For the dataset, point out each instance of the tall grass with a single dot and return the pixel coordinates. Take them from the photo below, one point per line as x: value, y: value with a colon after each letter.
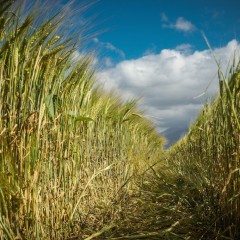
x: 69, y: 153
x: 207, y: 162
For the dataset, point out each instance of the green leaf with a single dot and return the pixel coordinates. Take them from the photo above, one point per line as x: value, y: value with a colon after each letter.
x: 80, y: 117
x: 50, y: 105
x: 83, y: 118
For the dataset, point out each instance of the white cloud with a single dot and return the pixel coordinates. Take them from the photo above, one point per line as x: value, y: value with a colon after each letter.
x: 108, y: 46
x: 181, y: 25
x: 184, y: 48
x: 77, y: 55
x: 114, y: 49
x: 164, y: 17
x: 95, y: 40
x: 184, y: 25
x: 110, y: 50
x: 168, y: 83
x: 108, y: 62
x: 151, y: 50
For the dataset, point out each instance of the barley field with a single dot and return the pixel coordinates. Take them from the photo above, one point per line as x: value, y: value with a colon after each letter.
x: 69, y: 153
x: 79, y: 163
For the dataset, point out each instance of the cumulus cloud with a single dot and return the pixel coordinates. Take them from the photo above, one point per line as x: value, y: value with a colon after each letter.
x: 173, y: 85
x: 181, y: 24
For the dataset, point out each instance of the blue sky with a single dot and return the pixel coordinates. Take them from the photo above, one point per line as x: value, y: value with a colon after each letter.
x: 155, y: 50
x: 135, y: 26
